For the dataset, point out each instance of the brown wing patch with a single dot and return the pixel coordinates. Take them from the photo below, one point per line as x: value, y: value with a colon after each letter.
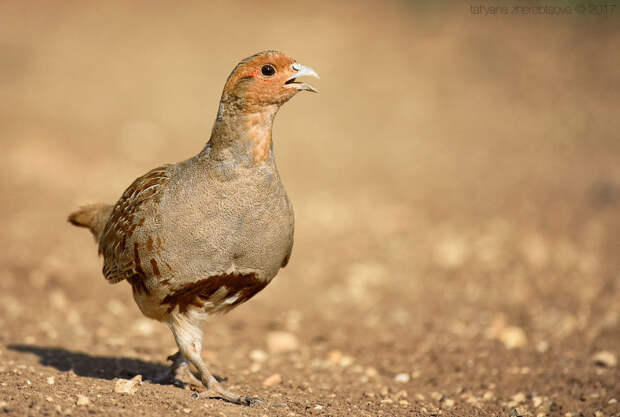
x: 137, y: 278
x: 245, y: 286
x: 120, y: 263
x: 286, y: 259
x: 155, y: 267
x: 138, y: 285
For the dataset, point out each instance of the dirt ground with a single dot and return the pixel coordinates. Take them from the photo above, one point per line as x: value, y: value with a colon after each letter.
x: 457, y: 192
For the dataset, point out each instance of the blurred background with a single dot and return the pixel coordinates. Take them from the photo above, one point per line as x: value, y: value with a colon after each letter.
x: 456, y: 186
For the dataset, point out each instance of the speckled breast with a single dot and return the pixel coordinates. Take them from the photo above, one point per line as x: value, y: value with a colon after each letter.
x: 218, y: 251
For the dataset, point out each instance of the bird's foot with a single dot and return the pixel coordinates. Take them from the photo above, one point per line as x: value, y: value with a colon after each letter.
x: 231, y: 397
x: 179, y: 374
x: 185, y: 376
x: 239, y: 399
x: 250, y: 401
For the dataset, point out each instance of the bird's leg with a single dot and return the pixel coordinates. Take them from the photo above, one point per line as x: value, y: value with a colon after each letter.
x: 188, y: 336
x: 179, y: 370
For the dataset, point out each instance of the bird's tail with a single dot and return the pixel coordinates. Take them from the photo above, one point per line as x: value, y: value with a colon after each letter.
x: 93, y: 217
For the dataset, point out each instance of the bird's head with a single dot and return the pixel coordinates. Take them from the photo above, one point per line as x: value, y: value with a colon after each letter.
x: 266, y: 79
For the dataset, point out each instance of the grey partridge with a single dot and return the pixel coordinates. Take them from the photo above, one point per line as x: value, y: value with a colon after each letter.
x: 206, y: 234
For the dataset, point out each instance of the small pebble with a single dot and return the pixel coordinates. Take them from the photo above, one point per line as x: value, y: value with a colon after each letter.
x: 542, y: 346
x: 346, y: 361
x: 519, y: 412
x: 272, y: 380
x: 518, y: 398
x: 473, y: 400
x: 401, y: 393
x: 82, y: 400
x: 127, y: 386
x: 402, y: 378
x: 318, y: 407
x: 280, y: 342
x: 57, y: 299
x: 258, y: 356
x: 612, y: 401
x: 334, y: 356
x: 605, y: 358
x: 437, y: 396
x: 187, y: 410
x: 50, y: 380
x: 513, y: 337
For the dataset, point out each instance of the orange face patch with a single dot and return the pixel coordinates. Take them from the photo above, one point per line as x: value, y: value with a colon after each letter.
x: 254, y: 82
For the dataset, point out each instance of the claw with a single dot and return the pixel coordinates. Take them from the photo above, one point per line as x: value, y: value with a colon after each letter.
x: 249, y: 401
x: 241, y: 400
x: 220, y: 378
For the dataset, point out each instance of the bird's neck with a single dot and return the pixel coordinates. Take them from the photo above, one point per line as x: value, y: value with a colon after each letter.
x: 241, y: 134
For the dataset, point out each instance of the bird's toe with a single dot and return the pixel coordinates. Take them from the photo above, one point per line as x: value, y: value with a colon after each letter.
x: 249, y: 401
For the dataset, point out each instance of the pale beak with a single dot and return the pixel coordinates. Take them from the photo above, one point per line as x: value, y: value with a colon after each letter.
x: 300, y: 71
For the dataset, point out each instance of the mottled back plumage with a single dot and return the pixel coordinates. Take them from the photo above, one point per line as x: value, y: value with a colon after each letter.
x: 128, y: 215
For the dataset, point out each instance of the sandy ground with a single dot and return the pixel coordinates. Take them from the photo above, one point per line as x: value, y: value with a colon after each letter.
x: 456, y: 186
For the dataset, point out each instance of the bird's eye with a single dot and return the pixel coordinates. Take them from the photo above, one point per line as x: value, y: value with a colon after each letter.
x: 268, y: 70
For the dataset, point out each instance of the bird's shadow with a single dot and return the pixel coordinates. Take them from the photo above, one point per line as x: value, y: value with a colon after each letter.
x: 92, y: 366
x: 104, y: 367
